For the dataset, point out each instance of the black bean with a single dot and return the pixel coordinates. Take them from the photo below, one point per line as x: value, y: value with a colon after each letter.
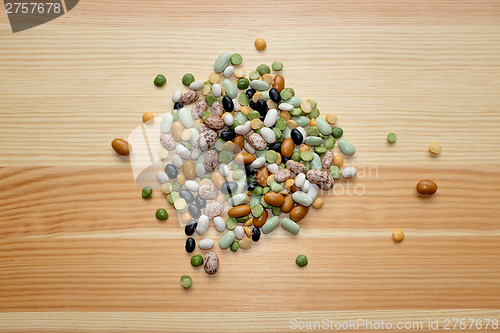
x: 250, y: 171
x: 229, y: 188
x: 227, y: 103
x: 200, y: 202
x: 186, y: 195
x: 255, y: 234
x: 228, y: 135
x: 274, y: 95
x: 252, y: 185
x: 262, y: 107
x: 250, y: 92
x: 178, y: 105
x: 296, y: 136
x: 190, y: 228
x: 194, y: 211
x: 252, y: 105
x: 275, y: 146
x: 190, y: 244
x: 284, y: 159
x: 171, y: 171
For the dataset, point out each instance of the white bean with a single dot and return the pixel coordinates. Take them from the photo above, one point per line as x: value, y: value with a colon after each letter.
x: 162, y: 177
x: 237, y: 105
x: 183, y: 152
x: 307, y: 186
x: 219, y: 224
x: 196, y: 85
x: 349, y: 172
x: 191, y: 185
x: 228, y: 71
x: 239, y: 232
x: 216, y: 90
x: 303, y: 132
x: 300, y: 179
x: 195, y: 153
x: 273, y: 167
x: 228, y: 119
x: 268, y: 134
x: 199, y: 169
x: 271, y: 117
x: 248, y: 148
x: 202, y: 226
x: 224, y: 170
x: 243, y: 129
x: 285, y: 107
x: 258, y: 162
x: 206, y: 244
x: 177, y: 161
x: 313, y: 191
x: 176, y: 96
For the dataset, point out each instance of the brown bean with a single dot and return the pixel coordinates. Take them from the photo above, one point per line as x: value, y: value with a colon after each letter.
x: 262, y: 175
x: 259, y: 221
x: 298, y: 213
x: 279, y: 82
x: 177, y: 129
x: 287, y: 205
x: 239, y: 211
x: 121, y: 146
x: 148, y: 117
x: 294, y: 188
x: 188, y: 169
x: 426, y: 187
x: 287, y: 147
x: 244, y: 158
x: 274, y: 199
x: 338, y: 160
x: 218, y: 179
x: 240, y: 142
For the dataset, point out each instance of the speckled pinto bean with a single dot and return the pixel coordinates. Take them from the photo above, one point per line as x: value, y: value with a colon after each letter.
x: 321, y: 178
x: 295, y: 167
x: 215, y: 122
x: 256, y: 141
x: 214, y: 209
x: 206, y: 140
x: 168, y: 142
x: 282, y: 175
x: 189, y: 97
x: 217, y: 109
x: 198, y: 108
x: 207, y: 192
x: 211, y: 160
x: 211, y: 263
x: 327, y: 159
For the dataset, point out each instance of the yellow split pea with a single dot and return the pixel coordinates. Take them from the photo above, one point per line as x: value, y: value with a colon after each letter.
x: 398, y: 235
x: 435, y: 148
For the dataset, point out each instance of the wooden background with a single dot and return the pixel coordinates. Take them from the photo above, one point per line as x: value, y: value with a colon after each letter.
x: 80, y: 250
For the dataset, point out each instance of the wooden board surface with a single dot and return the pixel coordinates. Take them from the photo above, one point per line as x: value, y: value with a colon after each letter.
x: 81, y: 251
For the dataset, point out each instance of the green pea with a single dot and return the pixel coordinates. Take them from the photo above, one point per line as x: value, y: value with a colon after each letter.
x: 277, y: 132
x: 243, y: 99
x: 254, y: 75
x: 219, y: 144
x: 313, y: 114
x: 176, y: 186
x: 243, y: 83
x: 275, y: 187
x: 235, y: 124
x: 391, y: 137
x: 160, y: 80
x: 281, y: 124
x: 320, y: 149
x: 147, y: 192
x: 265, y: 190
x: 237, y: 174
x: 205, y: 115
x: 231, y: 223
x: 187, y: 79
x: 210, y: 99
x: 257, y: 210
x: 235, y: 246
x: 335, y: 172
x: 312, y: 131
x: 253, y: 115
x: 337, y: 132
x: 281, y: 166
x: 257, y: 190
x: 264, y: 203
x: 236, y: 59
x: 196, y: 260
x: 175, y: 114
x: 313, y: 104
x: 277, y: 66
x: 187, y: 144
x: 301, y: 260
x: 242, y: 219
x: 170, y: 199
x: 307, y: 164
x: 287, y: 93
x: 161, y: 214
x: 329, y: 142
x: 271, y: 156
x: 276, y: 211
x: 263, y: 69
x: 186, y: 281
x: 296, y: 156
x: 296, y: 112
x: 225, y: 157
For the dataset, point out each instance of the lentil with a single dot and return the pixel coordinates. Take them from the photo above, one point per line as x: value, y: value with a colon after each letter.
x: 391, y: 137
x: 435, y: 148
x: 398, y: 235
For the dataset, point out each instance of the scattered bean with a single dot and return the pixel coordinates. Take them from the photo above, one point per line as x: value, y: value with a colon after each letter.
x: 426, y: 187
